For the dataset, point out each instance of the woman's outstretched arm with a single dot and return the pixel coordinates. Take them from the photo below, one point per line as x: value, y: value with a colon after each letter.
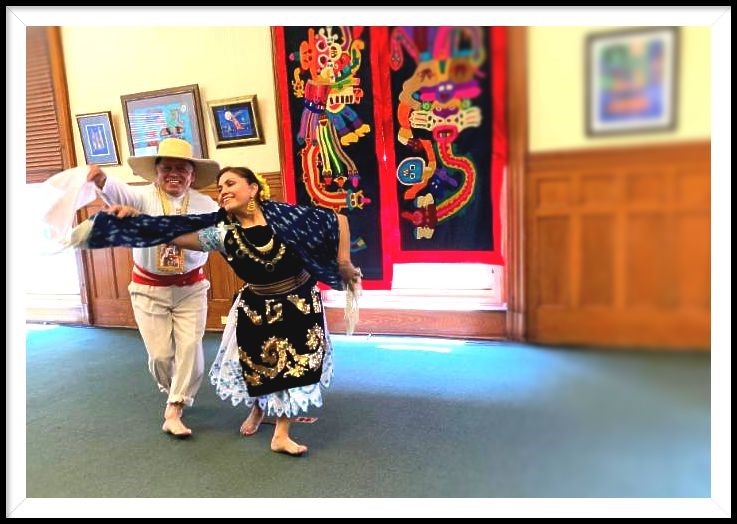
x: 348, y: 272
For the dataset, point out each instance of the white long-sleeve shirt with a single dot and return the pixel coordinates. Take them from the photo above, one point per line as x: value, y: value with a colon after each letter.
x: 146, y: 199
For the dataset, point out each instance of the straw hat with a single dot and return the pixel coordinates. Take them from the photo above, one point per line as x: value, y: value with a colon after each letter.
x: 206, y: 171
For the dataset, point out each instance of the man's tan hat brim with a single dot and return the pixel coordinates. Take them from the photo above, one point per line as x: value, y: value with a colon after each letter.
x: 205, y: 171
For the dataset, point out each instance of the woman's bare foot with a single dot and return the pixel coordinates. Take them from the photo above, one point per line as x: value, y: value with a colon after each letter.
x: 173, y: 421
x: 251, y: 424
x: 288, y: 446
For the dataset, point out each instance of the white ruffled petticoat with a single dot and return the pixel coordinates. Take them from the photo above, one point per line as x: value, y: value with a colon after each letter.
x: 226, y: 376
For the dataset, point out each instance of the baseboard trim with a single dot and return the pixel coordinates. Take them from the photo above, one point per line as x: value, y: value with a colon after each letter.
x: 61, y: 309
x: 482, y: 325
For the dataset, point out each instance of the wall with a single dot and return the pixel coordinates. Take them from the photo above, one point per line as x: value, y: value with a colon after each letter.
x: 556, y: 90
x: 236, y: 61
x: 103, y: 63
x: 617, y: 229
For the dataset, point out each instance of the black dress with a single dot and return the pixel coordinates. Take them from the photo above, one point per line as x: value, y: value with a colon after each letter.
x: 280, y: 328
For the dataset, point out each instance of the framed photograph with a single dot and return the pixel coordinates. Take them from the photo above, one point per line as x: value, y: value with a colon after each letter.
x: 235, y: 121
x: 98, y: 139
x: 153, y: 116
x: 631, y: 81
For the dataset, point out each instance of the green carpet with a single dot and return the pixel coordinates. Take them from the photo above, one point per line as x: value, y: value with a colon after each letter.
x: 403, y: 418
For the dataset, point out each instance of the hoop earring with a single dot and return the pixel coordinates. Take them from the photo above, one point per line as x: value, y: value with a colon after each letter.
x: 251, y: 206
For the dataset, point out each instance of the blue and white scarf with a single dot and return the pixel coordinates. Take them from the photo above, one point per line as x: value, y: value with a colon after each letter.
x: 311, y: 232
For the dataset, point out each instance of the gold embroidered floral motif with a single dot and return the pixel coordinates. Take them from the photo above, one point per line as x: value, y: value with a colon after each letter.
x: 273, y: 311
x: 252, y: 379
x: 316, y: 343
x: 276, y: 353
x: 273, y: 352
x: 299, y: 368
x: 316, y: 307
x: 252, y: 315
x: 300, y: 303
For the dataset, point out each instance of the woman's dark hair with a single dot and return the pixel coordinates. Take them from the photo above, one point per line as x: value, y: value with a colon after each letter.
x: 244, y: 173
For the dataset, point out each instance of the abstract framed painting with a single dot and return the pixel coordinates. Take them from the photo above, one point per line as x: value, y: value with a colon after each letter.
x: 631, y: 81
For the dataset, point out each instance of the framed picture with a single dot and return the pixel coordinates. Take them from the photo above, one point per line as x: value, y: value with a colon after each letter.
x: 153, y: 116
x: 631, y: 81
x: 98, y: 139
x: 235, y: 121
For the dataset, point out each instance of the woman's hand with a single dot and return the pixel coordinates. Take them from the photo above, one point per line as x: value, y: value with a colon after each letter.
x: 121, y: 211
x: 348, y: 272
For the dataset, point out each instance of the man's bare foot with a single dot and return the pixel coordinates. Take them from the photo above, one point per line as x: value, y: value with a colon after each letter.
x: 176, y: 427
x: 288, y: 446
x: 251, y: 424
x: 173, y: 421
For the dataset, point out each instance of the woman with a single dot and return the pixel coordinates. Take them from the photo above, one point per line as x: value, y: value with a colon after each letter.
x: 275, y: 351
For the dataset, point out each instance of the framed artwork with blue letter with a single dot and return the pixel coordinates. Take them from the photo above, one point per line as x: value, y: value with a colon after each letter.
x: 98, y: 139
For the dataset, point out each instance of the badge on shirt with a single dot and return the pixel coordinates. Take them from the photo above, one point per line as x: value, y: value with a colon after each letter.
x: 170, y: 259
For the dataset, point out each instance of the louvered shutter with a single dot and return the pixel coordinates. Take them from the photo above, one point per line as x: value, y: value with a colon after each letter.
x: 49, y: 142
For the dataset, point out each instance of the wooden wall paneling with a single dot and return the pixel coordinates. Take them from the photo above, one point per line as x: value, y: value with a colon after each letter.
x: 597, y: 260
x: 691, y: 266
x: 620, y: 246
x: 106, y: 277
x: 553, y: 261
x: 223, y: 285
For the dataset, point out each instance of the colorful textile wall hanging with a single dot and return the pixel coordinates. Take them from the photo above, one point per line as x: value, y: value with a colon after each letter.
x: 403, y: 130
x: 329, y: 136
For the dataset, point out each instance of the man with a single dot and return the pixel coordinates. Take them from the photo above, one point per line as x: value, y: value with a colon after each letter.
x: 168, y: 288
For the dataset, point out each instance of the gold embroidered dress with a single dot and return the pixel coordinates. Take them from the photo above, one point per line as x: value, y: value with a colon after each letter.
x: 275, y: 346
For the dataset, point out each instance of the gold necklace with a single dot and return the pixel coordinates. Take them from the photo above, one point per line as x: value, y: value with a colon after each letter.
x: 243, y: 250
x: 261, y: 249
x: 165, y: 203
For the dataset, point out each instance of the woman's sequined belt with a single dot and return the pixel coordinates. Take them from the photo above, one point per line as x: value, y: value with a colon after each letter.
x: 282, y: 286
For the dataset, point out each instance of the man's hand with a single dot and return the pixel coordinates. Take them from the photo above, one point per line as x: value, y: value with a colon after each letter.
x: 121, y: 211
x: 97, y: 176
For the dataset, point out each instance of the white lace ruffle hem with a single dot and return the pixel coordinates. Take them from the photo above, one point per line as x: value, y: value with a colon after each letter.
x: 225, y: 374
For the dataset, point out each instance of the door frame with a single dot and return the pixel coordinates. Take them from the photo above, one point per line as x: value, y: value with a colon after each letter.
x: 514, y: 211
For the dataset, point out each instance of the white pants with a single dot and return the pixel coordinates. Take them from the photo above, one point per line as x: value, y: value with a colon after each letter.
x: 172, y: 321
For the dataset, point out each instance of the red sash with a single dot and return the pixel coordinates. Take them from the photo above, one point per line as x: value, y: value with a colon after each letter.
x: 141, y: 276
